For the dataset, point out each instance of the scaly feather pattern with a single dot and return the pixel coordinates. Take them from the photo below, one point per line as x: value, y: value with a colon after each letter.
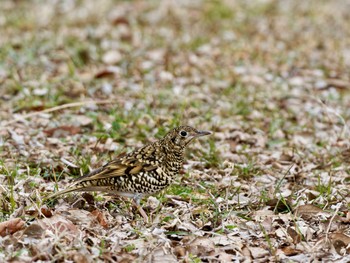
x: 144, y: 171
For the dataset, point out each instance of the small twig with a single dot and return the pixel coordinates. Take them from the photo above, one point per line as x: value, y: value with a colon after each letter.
x: 330, y: 221
x: 329, y: 227
x: 56, y: 108
x: 68, y: 163
x: 330, y: 110
x: 36, y: 206
x: 278, y: 186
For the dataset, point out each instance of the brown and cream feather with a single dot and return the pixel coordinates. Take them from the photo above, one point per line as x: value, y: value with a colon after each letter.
x: 144, y: 171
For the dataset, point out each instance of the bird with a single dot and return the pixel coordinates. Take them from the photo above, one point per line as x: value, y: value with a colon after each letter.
x: 144, y: 171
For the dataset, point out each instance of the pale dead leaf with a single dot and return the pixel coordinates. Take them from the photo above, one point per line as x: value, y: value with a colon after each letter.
x: 112, y: 57
x: 222, y: 256
x: 79, y: 216
x: 246, y: 252
x: 224, y: 240
x: 62, y: 131
x: 201, y: 246
x: 18, y: 139
x: 160, y: 255
x: 68, y: 163
x: 258, y: 252
x: 153, y: 202
x: 80, y: 258
x: 58, y: 225
x: 82, y: 120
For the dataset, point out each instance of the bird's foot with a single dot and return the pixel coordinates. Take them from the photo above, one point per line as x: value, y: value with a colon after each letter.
x: 143, y: 213
x: 136, y: 201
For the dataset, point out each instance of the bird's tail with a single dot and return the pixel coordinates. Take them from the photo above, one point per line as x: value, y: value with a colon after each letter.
x: 65, y: 191
x: 77, y: 188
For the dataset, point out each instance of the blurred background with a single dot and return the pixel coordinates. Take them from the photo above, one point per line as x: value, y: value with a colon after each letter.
x: 265, y: 76
x: 270, y: 78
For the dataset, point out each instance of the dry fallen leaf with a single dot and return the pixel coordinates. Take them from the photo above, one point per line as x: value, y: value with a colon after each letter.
x: 275, y: 95
x: 258, y: 252
x: 340, y: 242
x: 294, y: 235
x: 308, y: 211
x: 112, y: 57
x: 11, y: 226
x: 108, y: 72
x: 201, y: 247
x: 101, y: 218
x: 59, y: 225
x: 62, y: 131
x: 290, y: 251
x: 338, y: 83
x: 80, y: 258
x: 159, y: 255
x: 33, y: 231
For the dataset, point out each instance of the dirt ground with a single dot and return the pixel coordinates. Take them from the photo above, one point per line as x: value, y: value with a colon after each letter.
x: 83, y: 81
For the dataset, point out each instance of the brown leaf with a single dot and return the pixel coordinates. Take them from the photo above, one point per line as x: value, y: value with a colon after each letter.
x: 32, y: 108
x: 179, y: 251
x: 279, y: 205
x: 294, y: 235
x: 101, y: 219
x: 34, y: 231
x: 201, y: 247
x: 46, y: 211
x: 289, y: 251
x: 347, y: 218
x: 120, y: 20
x: 108, y: 72
x: 11, y: 226
x: 307, y: 211
x: 338, y: 83
x: 340, y: 242
x: 62, y: 131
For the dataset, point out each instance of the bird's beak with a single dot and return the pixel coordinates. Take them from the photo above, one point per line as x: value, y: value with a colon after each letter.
x: 202, y: 133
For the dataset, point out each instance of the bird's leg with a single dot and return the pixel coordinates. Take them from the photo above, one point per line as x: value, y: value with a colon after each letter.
x: 136, y: 199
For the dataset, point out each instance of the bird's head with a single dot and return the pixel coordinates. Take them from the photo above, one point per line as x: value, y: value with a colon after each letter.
x: 181, y: 136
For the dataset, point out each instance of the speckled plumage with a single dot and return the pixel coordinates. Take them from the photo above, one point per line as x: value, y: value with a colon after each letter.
x: 146, y: 170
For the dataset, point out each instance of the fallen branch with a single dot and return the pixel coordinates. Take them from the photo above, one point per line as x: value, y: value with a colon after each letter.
x: 56, y: 108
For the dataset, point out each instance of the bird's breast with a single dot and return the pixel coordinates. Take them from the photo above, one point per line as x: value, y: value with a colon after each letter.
x: 144, y: 182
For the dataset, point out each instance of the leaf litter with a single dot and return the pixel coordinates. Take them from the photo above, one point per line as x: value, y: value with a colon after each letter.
x: 270, y: 79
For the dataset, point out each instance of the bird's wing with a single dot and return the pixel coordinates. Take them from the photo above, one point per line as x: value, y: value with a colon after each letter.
x: 109, y: 170
x: 141, y: 160
x: 132, y: 163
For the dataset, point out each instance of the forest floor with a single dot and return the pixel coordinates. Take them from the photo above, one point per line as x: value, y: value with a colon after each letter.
x: 83, y: 81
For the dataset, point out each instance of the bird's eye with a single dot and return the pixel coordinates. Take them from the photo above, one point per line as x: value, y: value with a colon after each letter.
x: 183, y: 133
